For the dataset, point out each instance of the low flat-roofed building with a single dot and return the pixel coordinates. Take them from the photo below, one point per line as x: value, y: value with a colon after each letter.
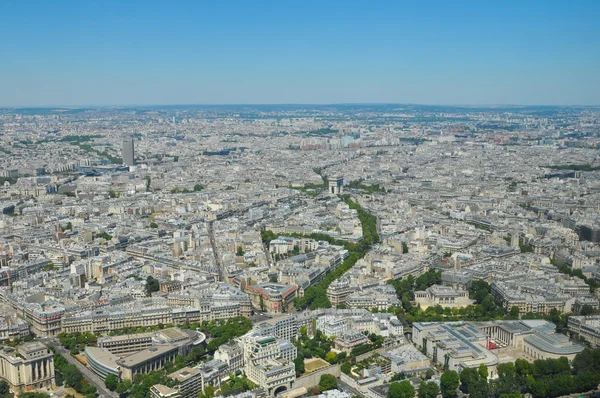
x: 334, y: 394
x: 407, y: 358
x: 126, y: 344
x: 544, y: 343
x: 160, y: 391
x: 456, y: 345
x: 148, y: 351
x: 102, y: 361
x: 147, y: 360
x: 465, y: 344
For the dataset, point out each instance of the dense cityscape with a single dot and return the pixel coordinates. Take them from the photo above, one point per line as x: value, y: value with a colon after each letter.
x: 334, y: 251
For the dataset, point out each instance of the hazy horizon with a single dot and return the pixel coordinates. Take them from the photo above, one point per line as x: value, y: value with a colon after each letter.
x: 150, y: 105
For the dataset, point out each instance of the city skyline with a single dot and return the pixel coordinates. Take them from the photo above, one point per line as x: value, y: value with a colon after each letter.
x: 141, y: 246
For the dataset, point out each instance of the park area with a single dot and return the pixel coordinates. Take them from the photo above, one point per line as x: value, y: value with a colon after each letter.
x: 313, y: 364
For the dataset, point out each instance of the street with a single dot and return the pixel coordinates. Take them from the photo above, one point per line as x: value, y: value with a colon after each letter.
x: 87, y: 373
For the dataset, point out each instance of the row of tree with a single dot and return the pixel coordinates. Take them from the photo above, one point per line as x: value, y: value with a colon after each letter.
x: 70, y: 376
x: 316, y: 296
x: 75, y: 342
x: 541, y: 378
x: 368, y: 189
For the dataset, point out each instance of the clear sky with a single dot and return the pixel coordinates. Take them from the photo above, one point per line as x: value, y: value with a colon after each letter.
x: 125, y: 52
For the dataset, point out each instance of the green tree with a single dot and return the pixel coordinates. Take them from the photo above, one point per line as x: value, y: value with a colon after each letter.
x: 479, y: 290
x: 179, y: 361
x: 402, y: 389
x: 153, y: 225
x: 240, y: 251
x: 489, y: 305
x: 428, y: 390
x: 539, y: 388
x: 404, y: 248
x: 514, y: 312
x: 506, y: 378
x: 209, y: 392
x: 59, y: 380
x: 331, y: 357
x: 468, y: 377
x: 4, y: 389
x: 327, y: 382
x: 198, y: 187
x: 479, y: 389
x: 449, y: 382
x: 123, y: 386
x: 483, y: 371
x: 299, y: 365
x: 152, y: 285
x: 346, y: 368
x: 111, y: 382
x: 429, y: 374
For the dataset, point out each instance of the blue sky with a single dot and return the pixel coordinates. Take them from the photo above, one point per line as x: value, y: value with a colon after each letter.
x: 232, y: 52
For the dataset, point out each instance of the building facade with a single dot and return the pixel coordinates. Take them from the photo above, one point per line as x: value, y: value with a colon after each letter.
x: 128, y: 151
x: 586, y: 328
x: 28, y: 367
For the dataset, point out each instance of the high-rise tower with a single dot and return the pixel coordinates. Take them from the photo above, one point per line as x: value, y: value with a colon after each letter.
x: 127, y: 151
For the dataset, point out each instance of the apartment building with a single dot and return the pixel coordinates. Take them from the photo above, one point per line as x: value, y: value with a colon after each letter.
x: 338, y: 291
x: 586, y: 328
x: 232, y: 355
x: 189, y: 382
x: 282, y: 327
x: 273, y: 297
